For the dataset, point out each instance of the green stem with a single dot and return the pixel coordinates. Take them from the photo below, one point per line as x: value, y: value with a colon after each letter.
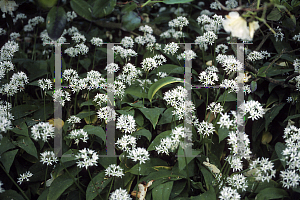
x: 138, y: 180
x: 14, y: 182
x: 75, y: 103
x: 89, y: 106
x: 93, y: 183
x: 187, y: 172
x: 78, y: 63
x: 94, y: 59
x: 33, y: 51
x: 149, y: 1
x: 45, y: 105
x: 110, y: 187
x: 46, y: 176
x: 206, y: 101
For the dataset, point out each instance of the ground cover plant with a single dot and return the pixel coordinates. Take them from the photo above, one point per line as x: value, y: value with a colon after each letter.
x: 152, y: 112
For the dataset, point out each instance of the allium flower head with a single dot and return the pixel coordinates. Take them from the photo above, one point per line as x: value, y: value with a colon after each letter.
x: 265, y: 169
x: 1, y: 189
x: 77, y: 135
x: 45, y: 84
x: 114, y: 170
x: 120, y: 194
x: 42, y: 130
x: 127, y: 42
x: 112, y: 67
x: 73, y: 119
x: 227, y: 193
x: 97, y: 41
x: 48, y: 157
x: 139, y: 154
x: 89, y: 157
x: 171, y: 48
x: 126, y: 143
x: 61, y: 96
x: 149, y: 64
x: 146, y: 29
x: 126, y: 123
x: 24, y: 176
x: 107, y: 113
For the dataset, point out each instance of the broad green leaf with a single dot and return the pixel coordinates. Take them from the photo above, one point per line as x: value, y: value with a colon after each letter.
x: 44, y: 195
x: 82, y: 8
x: 36, y: 69
x: 5, y: 145
x: 275, y: 15
x: 11, y: 194
x: 22, y: 131
x: 279, y: 45
x: 162, y: 191
x: 210, y: 194
x: 102, y: 8
x: 139, y: 119
x: 271, y: 193
x: 208, y: 177
x: 47, y: 4
x: 253, y: 86
x: 291, y: 117
x: 161, y: 83
x: 258, y: 126
x: 227, y: 97
x: 131, y: 21
x: 129, y: 7
x: 272, y: 99
x: 56, y: 22
x: 86, y: 62
x: 23, y: 110
x: 136, y: 91
x: 222, y: 133
x: 126, y: 112
x: 96, y: 130
x: 69, y: 155
x: 166, y: 117
x: 272, y: 113
x: 100, y: 183
x: 279, y: 147
x: 158, y: 138
x: 252, y: 185
x: 58, y: 186
x: 8, y: 158
x: 87, y: 103
x: 143, y: 132
x: 39, y: 114
x: 152, y: 114
x: 176, y: 1
x: 151, y: 166
x: 178, y: 187
x: 185, y: 159
x: 26, y: 144
x: 85, y: 113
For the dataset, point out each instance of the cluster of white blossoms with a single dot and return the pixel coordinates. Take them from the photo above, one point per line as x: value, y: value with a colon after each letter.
x: 221, y: 47
x: 171, y: 48
x: 179, y: 22
x: 153, y: 46
x: 253, y: 108
x: 149, y: 64
x: 78, y: 37
x: 139, y: 154
x: 114, y: 170
x: 208, y: 37
x: 120, y: 194
x: 230, y: 84
x: 8, y: 50
x: 97, y: 41
x: 278, y: 34
x: 264, y: 169
x: 48, y: 157
x: 42, y: 130
x: 61, y: 96
x: 213, y: 24
x: 77, y: 135
x: 126, y: 143
x: 230, y: 63
x: 73, y: 119
x: 215, y: 108
x: 5, y: 117
x: 45, y: 84
x: 240, y: 144
x: 16, y: 84
x: 106, y: 113
x: 127, y: 42
x: 5, y: 66
x: 176, y: 138
x: 189, y: 55
x: 32, y: 23
x: 225, y: 121
x: 126, y: 123
x: 129, y: 74
x: 112, y: 67
x: 124, y: 53
x: 144, y: 83
x: 237, y: 181
x: 14, y: 35
x: 71, y: 15
x: 297, y: 37
x: 70, y: 74
x: 227, y: 193
x: 100, y: 98
x: 2, y: 31
x: 159, y: 59
x: 24, y: 176
x: 89, y: 157
x: 290, y: 176
x: 146, y: 29
x: 255, y: 55
x: 297, y: 65
x: 172, y: 33
x: 206, y: 128
x: 208, y: 77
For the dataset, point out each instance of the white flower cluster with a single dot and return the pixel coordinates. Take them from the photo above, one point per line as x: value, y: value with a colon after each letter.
x: 118, y: 88
x: 32, y: 23
x: 120, y: 194
x: 231, y: 4
x: 207, y: 38
x: 222, y: 47
x: 231, y: 84
x: 278, y: 34
x: 124, y: 53
x: 139, y: 154
x: 5, y: 66
x: 240, y: 144
x: 264, y: 169
x: 171, y: 48
x: 255, y: 55
x: 144, y: 83
x: 225, y: 121
x: 215, y: 6
x: 2, y: 31
x: 215, y: 108
x: 146, y: 29
x: 42, y: 130
x: 127, y: 42
x: 48, y: 157
x: 296, y: 37
x: 153, y: 46
x: 100, y: 98
x: 213, y: 24
x: 19, y: 16
x: 149, y: 64
x: 172, y: 143
x: 17, y: 83
x: 227, y: 193
x: 126, y: 143
x: 61, y: 96
x: 106, y: 113
x: 147, y: 38
x: 112, y: 67
x: 89, y: 157
x: 172, y: 33
x: 71, y: 15
x: 179, y: 22
x: 159, y: 59
x: 129, y: 74
x: 189, y: 55
x: 8, y: 50
x: 45, y: 84
x: 126, y: 123
x: 78, y: 37
x: 208, y: 77
x: 48, y: 41
x: 24, y: 176
x: 78, y: 134
x: 114, y: 170
x: 5, y: 116
x: 238, y: 181
x: 73, y: 119
x: 70, y: 74
x: 253, y: 108
x: 14, y: 35
x: 290, y: 176
x: 96, y: 41
x: 206, y: 128
x: 297, y: 65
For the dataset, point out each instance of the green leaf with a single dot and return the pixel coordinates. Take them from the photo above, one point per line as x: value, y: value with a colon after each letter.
x: 56, y: 22
x: 271, y: 193
x: 161, y: 83
x: 129, y: 7
x: 272, y: 99
x: 272, y: 113
x: 291, y: 117
x: 253, y: 86
x: 23, y: 131
x: 131, y: 21
x: 279, y: 147
x: 26, y: 144
x: 181, y: 157
x: 166, y: 117
x: 252, y: 185
x: 5, y: 145
x: 162, y: 191
x: 36, y: 69
x: 208, y: 177
x: 96, y: 130
x: 274, y: 15
x: 58, y: 186
x: 176, y: 1
x: 102, y: 8
x: 152, y: 114
x: 227, y: 97
x: 8, y: 158
x: 223, y: 133
x: 85, y: 113
x: 86, y: 62
x: 136, y: 91
x: 100, y: 182
x: 210, y: 194
x: 157, y: 139
x: 23, y: 110
x: 82, y: 8
x: 147, y: 168
x: 11, y: 194
x: 143, y: 132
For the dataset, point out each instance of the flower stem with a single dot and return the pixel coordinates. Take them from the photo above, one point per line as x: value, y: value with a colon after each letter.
x: 93, y: 183
x: 45, y: 105
x: 14, y: 182
x: 187, y: 172
x: 46, y: 177
x: 110, y: 187
x: 94, y: 59
x: 33, y: 51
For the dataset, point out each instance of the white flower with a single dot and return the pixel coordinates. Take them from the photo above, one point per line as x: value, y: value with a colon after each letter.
x: 139, y: 154
x: 42, y: 130
x: 106, y: 113
x: 238, y: 26
x: 215, y: 108
x: 72, y: 52
x: 179, y: 22
x: 238, y: 181
x: 206, y: 128
x: 26, y: 176
x: 225, y: 121
x: 264, y: 170
x: 97, y: 41
x: 127, y: 42
x: 254, y: 109
x: 278, y: 34
x: 227, y: 193
x: 78, y: 134
x: 119, y: 194
x: 126, y: 143
x: 208, y: 78
x: 231, y: 4
x: 73, y: 119
x: 45, y: 84
x: 71, y: 15
x: 48, y: 157
x: 149, y: 64
x: 114, y: 170
x: 1, y: 189
x: 77, y: 37
x: 8, y: 49
x: 83, y: 49
x: 89, y: 157
x: 112, y: 67
x: 171, y: 48
x: 146, y: 29
x: 61, y: 96
x: 8, y: 6
x: 126, y: 123
x: 221, y: 46
x: 189, y: 54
